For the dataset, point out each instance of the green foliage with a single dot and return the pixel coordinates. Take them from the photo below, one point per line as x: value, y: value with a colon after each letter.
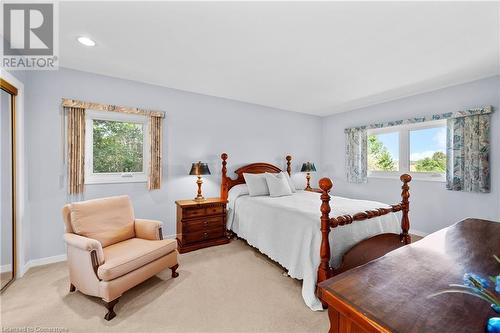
x: 118, y: 146
x: 436, y: 163
x: 379, y: 158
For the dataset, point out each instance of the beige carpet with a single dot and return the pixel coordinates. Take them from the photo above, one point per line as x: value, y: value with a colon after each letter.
x: 228, y: 288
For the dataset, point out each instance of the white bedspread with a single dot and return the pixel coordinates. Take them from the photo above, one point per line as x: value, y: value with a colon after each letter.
x: 287, y: 229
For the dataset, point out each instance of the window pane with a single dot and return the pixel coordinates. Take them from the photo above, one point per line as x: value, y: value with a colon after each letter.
x: 117, y: 146
x: 428, y: 150
x: 383, y: 152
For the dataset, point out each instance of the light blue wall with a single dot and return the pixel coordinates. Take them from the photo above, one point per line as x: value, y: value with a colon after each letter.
x: 196, y: 128
x: 199, y: 127
x: 432, y: 206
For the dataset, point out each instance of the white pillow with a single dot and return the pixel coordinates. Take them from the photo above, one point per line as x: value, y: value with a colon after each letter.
x: 277, y: 184
x: 256, y: 183
x: 290, y: 181
x: 238, y: 191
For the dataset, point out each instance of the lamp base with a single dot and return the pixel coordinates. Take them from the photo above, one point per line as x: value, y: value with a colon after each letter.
x: 199, y: 196
x: 308, y: 179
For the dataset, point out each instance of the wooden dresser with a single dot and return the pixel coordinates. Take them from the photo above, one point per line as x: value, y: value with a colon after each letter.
x: 390, y: 294
x: 201, y: 224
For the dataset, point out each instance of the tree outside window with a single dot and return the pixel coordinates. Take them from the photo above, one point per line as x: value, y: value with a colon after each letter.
x: 379, y: 157
x: 118, y: 146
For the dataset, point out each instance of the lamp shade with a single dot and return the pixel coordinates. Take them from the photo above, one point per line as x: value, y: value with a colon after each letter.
x: 308, y: 167
x: 199, y: 169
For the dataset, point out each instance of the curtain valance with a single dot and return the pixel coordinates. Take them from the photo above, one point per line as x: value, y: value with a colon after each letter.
x: 448, y: 115
x: 73, y: 103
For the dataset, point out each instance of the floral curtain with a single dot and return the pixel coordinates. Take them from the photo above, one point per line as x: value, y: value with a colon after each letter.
x: 155, y: 164
x: 76, y: 149
x: 468, y: 149
x: 356, y: 155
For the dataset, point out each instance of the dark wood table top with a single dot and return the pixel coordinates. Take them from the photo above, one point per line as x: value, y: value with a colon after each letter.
x: 393, y: 290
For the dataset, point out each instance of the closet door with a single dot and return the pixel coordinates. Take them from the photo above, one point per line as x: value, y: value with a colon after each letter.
x: 7, y: 184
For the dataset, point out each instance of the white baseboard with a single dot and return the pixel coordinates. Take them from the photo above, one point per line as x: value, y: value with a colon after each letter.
x: 6, y: 268
x: 43, y: 261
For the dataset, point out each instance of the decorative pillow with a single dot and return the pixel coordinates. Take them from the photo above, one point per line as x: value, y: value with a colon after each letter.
x: 278, y: 184
x: 290, y: 182
x: 256, y: 183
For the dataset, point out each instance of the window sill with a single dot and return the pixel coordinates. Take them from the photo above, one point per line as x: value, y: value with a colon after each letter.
x: 414, y: 177
x: 117, y: 180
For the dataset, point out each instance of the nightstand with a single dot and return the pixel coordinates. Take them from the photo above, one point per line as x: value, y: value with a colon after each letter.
x: 201, y: 224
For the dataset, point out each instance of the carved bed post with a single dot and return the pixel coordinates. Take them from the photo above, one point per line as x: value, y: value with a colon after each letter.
x: 223, y: 185
x: 405, y: 208
x: 324, y: 270
x: 288, y: 163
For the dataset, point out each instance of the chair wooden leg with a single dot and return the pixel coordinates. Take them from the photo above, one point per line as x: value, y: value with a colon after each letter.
x: 174, y: 268
x: 72, y: 288
x: 110, y: 306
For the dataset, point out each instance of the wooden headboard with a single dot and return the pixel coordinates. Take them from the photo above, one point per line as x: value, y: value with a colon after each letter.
x: 227, y: 183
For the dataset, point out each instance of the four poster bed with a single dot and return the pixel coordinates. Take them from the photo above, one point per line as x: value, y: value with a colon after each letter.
x: 295, y: 230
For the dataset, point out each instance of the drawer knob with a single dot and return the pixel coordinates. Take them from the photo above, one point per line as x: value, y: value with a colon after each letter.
x: 205, y: 223
x: 205, y: 234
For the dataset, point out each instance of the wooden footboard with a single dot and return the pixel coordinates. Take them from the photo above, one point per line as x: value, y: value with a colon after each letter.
x: 367, y: 249
x: 360, y: 253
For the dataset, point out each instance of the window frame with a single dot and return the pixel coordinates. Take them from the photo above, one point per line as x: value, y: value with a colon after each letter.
x: 404, y: 151
x: 114, y: 177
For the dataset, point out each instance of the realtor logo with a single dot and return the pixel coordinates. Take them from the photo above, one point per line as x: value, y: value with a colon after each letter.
x: 29, y: 32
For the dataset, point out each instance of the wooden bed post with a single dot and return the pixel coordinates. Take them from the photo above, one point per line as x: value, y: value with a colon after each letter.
x: 288, y: 164
x: 223, y: 185
x: 405, y: 208
x: 324, y: 270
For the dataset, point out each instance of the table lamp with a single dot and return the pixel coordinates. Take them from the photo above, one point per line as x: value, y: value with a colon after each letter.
x: 199, y: 169
x: 308, y: 167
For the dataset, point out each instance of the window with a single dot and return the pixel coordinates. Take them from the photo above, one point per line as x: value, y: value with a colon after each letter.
x: 383, y: 151
x: 419, y: 149
x: 116, y: 147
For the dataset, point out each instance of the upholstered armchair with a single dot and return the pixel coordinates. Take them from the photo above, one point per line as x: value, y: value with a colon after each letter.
x: 110, y: 251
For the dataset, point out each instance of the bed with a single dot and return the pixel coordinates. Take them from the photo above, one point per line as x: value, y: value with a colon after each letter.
x: 295, y: 230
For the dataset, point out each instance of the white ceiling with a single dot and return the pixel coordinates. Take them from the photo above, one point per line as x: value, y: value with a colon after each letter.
x: 318, y: 58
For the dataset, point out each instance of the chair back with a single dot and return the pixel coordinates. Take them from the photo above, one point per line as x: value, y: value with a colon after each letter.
x: 108, y: 220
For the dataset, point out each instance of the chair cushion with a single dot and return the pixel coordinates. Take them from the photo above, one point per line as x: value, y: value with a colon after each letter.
x: 108, y: 220
x: 124, y: 257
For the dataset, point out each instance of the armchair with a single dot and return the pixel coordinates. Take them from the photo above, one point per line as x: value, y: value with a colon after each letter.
x: 110, y: 251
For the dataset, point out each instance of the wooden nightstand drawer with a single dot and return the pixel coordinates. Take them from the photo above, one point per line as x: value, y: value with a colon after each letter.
x: 213, y: 210
x: 193, y: 212
x: 203, y: 235
x: 203, y: 224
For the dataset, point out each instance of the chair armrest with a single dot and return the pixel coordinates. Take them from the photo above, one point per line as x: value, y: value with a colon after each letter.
x: 85, y: 244
x: 148, y: 229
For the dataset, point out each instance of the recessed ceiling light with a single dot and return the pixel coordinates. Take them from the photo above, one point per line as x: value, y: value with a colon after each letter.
x: 86, y: 41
